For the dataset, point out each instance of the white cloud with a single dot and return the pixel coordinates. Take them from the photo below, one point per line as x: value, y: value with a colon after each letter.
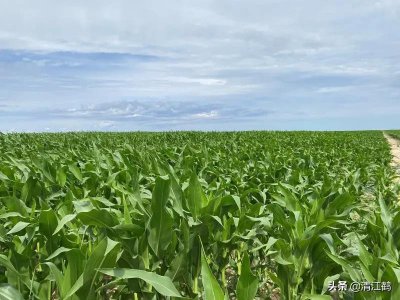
x: 206, y: 115
x: 204, y: 27
x: 264, y: 55
x: 334, y: 89
x: 160, y: 110
x: 106, y: 124
x: 201, y: 81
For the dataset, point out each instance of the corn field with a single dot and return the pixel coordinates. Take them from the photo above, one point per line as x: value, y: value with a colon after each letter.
x: 394, y: 133
x: 191, y: 215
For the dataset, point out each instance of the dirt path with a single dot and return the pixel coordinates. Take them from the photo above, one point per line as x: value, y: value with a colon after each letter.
x: 395, y: 150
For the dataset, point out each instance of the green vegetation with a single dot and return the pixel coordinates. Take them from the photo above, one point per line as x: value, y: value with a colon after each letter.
x: 209, y: 215
x: 394, y: 133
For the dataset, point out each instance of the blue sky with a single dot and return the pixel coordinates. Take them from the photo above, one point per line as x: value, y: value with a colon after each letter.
x: 199, y: 65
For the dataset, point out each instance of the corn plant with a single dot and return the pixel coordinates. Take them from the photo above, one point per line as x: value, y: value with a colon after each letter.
x: 191, y: 215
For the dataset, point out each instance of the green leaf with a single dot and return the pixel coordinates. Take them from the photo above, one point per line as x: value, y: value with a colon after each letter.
x: 5, y: 261
x: 316, y: 297
x: 160, y: 226
x: 279, y: 216
x: 63, y: 221
x: 3, y: 177
x: 176, y: 192
x: 267, y: 246
x: 195, y: 197
x: 58, y: 252
x: 76, y: 287
x: 97, y: 217
x: 61, y: 177
x: 26, y: 193
x: 177, y: 267
x: 341, y: 202
x: 47, y: 222
x: 73, y: 277
x: 75, y: 171
x: 327, y: 237
x: 56, y: 275
x: 132, y: 230
x: 14, y: 204
x: 18, y: 227
x: 286, y: 198
x: 104, y: 255
x: 386, y: 216
x: 353, y: 273
x: 11, y: 215
x: 212, y: 289
x: 328, y: 280
x: 389, y: 258
x: 8, y: 292
x: 161, y: 284
x: 248, y: 283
